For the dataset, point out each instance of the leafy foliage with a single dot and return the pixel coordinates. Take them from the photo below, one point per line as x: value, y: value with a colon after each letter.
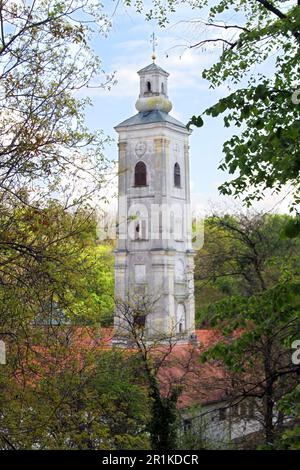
x: 259, y: 313
x: 68, y: 401
x: 95, y: 304
x: 290, y: 405
x: 52, y: 274
x: 243, y: 255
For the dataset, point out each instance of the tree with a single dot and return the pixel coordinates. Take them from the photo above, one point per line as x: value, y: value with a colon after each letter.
x: 154, y: 355
x: 53, y: 279
x: 45, y: 152
x: 45, y: 60
x: 259, y: 313
x: 225, y: 265
x: 46, y: 149
x: 95, y: 304
x: 71, y: 393
x: 60, y: 389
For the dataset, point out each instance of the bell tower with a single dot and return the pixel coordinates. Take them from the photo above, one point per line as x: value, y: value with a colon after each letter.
x: 154, y: 256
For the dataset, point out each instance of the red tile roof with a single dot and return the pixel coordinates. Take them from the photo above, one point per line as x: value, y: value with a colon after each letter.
x: 181, y: 366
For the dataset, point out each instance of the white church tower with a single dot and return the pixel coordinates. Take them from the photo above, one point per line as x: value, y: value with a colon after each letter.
x: 154, y: 256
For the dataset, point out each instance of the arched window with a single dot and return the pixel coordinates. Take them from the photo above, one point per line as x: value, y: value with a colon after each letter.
x: 141, y: 228
x: 162, y: 89
x: 140, y: 174
x: 180, y: 319
x: 177, y: 175
x: 149, y: 87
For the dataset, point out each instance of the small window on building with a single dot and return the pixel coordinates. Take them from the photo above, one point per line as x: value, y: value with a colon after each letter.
x: 141, y: 229
x: 162, y: 89
x: 149, y: 87
x: 140, y: 273
x: 139, y: 320
x: 243, y: 409
x: 177, y: 181
x: 140, y: 174
x: 187, y: 425
x: 251, y: 409
x: 178, y: 228
x: 172, y: 222
x: 222, y: 414
x: 144, y: 229
x: 137, y: 231
x: 180, y: 319
x: 235, y: 410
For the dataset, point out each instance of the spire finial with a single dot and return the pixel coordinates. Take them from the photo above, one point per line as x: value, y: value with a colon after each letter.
x: 153, y: 40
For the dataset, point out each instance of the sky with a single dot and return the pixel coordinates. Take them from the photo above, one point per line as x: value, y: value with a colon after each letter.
x: 127, y: 49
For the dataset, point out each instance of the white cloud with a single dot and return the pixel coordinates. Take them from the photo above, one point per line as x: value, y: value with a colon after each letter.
x: 185, y: 71
x: 206, y: 203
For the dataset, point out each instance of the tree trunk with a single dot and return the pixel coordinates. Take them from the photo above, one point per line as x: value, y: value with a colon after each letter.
x: 269, y: 396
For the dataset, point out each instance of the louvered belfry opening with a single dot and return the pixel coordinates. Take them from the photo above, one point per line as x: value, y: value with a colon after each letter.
x: 140, y: 174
